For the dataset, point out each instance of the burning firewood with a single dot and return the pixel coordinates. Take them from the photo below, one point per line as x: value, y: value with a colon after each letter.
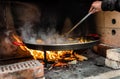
x: 80, y: 57
x: 69, y: 58
x: 59, y: 64
x: 60, y: 58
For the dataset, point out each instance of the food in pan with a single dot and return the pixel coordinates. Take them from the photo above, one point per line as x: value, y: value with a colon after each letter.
x: 39, y: 41
x: 63, y: 40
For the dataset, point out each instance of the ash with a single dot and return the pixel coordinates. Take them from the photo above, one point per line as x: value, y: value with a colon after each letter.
x: 89, y: 69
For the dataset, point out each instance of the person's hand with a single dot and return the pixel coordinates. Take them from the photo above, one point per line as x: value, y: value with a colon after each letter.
x: 95, y: 7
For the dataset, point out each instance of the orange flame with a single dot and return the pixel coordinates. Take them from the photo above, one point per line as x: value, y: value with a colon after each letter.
x: 55, y: 56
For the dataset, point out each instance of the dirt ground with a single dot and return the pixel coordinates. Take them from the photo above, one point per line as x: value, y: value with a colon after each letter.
x: 93, y: 68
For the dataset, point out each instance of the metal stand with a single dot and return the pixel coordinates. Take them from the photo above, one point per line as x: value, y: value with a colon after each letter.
x: 45, y: 59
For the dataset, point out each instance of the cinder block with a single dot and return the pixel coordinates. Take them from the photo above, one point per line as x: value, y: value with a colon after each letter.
x: 107, y: 19
x: 31, y: 69
x: 112, y: 64
x: 112, y: 19
x: 110, y: 36
x: 113, y: 54
x: 108, y: 27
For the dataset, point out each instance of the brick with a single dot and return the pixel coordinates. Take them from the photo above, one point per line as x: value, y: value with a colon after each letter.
x: 113, y: 54
x: 31, y: 69
x: 101, y: 49
x: 112, y: 64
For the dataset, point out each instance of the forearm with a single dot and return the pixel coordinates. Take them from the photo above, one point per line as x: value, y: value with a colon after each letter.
x: 110, y: 5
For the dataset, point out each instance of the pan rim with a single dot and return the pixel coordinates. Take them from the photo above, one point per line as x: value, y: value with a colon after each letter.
x: 62, y: 44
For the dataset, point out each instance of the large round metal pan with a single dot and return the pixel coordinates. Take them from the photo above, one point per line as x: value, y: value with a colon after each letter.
x: 71, y: 46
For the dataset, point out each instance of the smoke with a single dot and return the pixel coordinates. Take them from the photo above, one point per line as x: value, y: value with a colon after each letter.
x: 50, y: 36
x: 27, y: 33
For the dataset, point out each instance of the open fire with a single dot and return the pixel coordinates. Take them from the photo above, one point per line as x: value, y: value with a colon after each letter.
x: 51, y: 56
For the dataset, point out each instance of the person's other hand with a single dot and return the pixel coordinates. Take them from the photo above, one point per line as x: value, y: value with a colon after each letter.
x: 96, y: 7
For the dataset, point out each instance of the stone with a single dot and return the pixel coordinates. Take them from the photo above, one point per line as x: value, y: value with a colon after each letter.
x: 112, y: 64
x: 113, y: 54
